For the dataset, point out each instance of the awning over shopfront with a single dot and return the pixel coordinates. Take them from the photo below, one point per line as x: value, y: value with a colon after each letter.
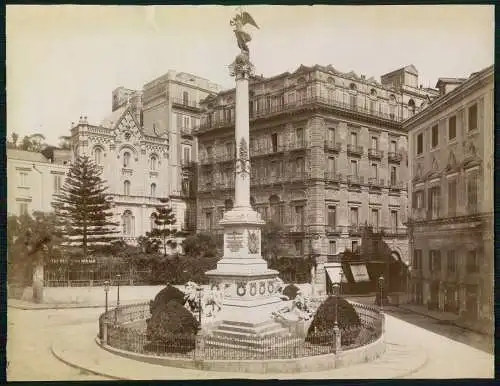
x: 359, y: 272
x: 333, y: 272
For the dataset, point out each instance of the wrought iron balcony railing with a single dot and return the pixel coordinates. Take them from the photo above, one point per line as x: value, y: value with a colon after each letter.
x: 355, y: 179
x: 355, y: 229
x: 396, y: 185
x: 394, y: 157
x: 375, y: 154
x: 333, y: 177
x: 185, y: 103
x: 186, y: 132
x: 322, y: 102
x: 297, y: 144
x: 333, y: 229
x: 333, y: 146
x: 354, y: 150
x: 375, y: 182
x: 296, y: 228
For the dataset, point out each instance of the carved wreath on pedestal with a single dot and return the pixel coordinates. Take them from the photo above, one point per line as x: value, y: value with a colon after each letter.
x: 241, y: 289
x: 253, y: 289
x: 253, y: 242
x: 262, y: 287
x: 243, y: 161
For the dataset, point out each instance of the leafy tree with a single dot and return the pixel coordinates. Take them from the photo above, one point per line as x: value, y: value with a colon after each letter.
x: 83, y: 209
x: 274, y: 243
x: 12, y: 144
x: 65, y: 142
x: 163, y: 235
x: 200, y: 245
x: 31, y: 242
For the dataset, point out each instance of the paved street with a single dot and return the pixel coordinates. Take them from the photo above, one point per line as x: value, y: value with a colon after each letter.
x: 31, y: 334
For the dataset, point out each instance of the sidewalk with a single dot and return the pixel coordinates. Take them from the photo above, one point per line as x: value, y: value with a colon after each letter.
x: 25, y: 305
x: 448, y: 317
x: 76, y: 346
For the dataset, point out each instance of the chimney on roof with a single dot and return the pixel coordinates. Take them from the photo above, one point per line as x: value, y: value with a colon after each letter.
x: 363, y: 77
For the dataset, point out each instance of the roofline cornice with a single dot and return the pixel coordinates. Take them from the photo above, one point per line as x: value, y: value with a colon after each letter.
x: 465, y: 88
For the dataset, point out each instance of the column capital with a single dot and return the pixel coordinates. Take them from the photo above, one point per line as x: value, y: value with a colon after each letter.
x: 241, y: 68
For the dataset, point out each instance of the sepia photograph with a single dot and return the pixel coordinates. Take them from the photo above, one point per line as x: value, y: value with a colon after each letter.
x: 206, y: 192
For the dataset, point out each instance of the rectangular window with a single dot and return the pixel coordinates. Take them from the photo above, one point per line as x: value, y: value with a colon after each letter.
x: 472, y: 262
x: 473, y: 117
x: 23, y: 179
x: 23, y: 208
x: 299, y: 215
x: 299, y: 166
x: 208, y: 221
x: 332, y: 216
x: 452, y: 198
x: 331, y: 165
x: 298, y: 247
x: 394, y: 220
x: 353, y: 101
x: 434, y: 136
x: 187, y: 154
x: 375, y: 171
x: 375, y: 220
x: 435, y: 196
x: 229, y: 150
x: 435, y: 261
x: 420, y: 143
x: 354, y: 139
x: 472, y: 188
x: 452, y: 127
x: 419, y: 199
x: 354, y: 168
x: 57, y: 183
x: 373, y: 106
x: 393, y: 175
x: 354, y: 216
x: 299, y: 135
x: 209, y: 151
x: 417, y: 259
x: 354, y: 246
x: 332, y: 247
x: 393, y: 146
x: 274, y: 140
x: 451, y: 262
x: 331, y: 135
x: 375, y: 143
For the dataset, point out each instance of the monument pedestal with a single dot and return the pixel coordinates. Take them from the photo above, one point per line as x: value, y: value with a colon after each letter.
x: 250, y: 291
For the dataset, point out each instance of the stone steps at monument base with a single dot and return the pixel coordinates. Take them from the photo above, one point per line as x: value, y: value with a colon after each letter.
x: 247, y: 345
x: 258, y: 331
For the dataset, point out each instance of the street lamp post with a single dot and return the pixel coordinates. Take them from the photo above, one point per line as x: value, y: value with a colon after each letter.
x: 340, y: 284
x: 199, y: 289
x: 336, y: 288
x: 381, y: 285
x: 118, y: 290
x: 106, y: 290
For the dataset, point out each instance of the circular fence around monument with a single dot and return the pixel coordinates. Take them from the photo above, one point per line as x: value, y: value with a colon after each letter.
x: 125, y: 329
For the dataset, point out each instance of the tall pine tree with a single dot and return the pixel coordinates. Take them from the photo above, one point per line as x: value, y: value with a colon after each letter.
x: 82, y: 208
x: 163, y: 235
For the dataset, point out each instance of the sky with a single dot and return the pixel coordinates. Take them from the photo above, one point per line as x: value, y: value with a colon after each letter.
x: 64, y: 61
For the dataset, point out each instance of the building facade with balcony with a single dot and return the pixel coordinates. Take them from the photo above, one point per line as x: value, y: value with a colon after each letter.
x: 451, y: 170
x: 33, y: 179
x: 328, y: 155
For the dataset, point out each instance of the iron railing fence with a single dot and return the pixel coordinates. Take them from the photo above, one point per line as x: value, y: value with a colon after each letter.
x: 71, y: 274
x: 116, y: 329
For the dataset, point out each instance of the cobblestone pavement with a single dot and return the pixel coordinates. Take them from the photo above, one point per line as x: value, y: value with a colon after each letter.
x: 32, y: 332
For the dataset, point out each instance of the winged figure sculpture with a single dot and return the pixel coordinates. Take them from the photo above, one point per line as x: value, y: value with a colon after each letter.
x: 243, y: 37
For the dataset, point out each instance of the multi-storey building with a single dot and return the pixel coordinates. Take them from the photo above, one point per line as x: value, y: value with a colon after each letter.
x: 328, y: 155
x: 451, y: 167
x: 141, y: 147
x: 33, y: 178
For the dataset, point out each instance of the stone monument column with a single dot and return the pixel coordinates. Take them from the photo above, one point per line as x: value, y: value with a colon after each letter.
x: 250, y: 293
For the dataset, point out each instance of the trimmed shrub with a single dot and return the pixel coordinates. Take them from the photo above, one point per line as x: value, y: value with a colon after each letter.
x: 171, y: 328
x: 163, y: 297
x: 291, y: 291
x: 324, y: 321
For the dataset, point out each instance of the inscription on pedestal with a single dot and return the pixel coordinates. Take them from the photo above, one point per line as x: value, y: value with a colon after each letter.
x: 234, y: 241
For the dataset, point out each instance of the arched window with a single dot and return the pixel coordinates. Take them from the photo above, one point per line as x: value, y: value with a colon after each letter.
x: 126, y: 159
x: 274, y: 203
x: 126, y: 188
x: 153, y: 190
x: 411, y: 106
x: 352, y: 86
x: 185, y: 98
x: 152, y: 220
x: 373, y: 92
x: 392, y: 107
x: 128, y: 223
x: 98, y: 156
x: 228, y: 205
x: 153, y: 163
